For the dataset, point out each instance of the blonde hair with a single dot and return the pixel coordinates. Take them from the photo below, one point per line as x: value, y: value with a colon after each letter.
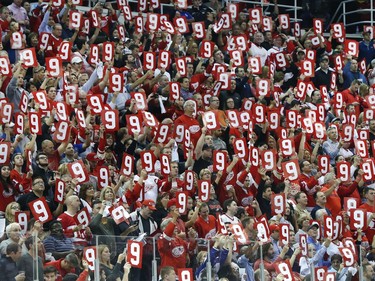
x: 101, y: 248
x: 102, y: 193
x: 8, y: 211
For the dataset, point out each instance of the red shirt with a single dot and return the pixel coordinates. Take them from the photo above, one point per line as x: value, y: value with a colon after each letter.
x: 173, y: 250
x: 192, y: 125
x: 206, y: 229
x: 62, y: 272
x: 53, y: 45
x: 370, y: 231
x: 21, y: 180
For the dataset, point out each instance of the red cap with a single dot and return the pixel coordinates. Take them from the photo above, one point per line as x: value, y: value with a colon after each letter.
x: 92, y: 157
x: 172, y: 202
x: 274, y: 227
x: 150, y: 204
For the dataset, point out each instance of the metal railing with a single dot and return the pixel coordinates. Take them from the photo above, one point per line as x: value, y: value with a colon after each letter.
x: 93, y: 255
x: 342, y: 12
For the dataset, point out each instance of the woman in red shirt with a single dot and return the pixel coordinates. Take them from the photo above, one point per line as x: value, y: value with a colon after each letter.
x: 7, y: 189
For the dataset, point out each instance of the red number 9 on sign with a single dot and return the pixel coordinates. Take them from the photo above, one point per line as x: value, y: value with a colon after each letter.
x: 41, y: 210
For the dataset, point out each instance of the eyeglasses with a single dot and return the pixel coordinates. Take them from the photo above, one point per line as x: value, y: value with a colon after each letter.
x: 38, y: 182
x: 43, y: 157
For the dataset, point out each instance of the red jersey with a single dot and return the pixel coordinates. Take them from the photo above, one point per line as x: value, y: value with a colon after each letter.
x: 192, y: 125
x: 205, y: 229
x: 53, y: 45
x: 60, y: 270
x: 21, y: 180
x: 370, y: 231
x: 173, y: 250
x: 307, y: 184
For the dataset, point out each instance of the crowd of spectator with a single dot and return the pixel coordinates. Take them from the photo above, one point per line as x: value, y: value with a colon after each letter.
x: 221, y: 141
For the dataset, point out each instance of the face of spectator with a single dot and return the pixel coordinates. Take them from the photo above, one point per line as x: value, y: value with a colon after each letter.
x: 20, y: 81
x: 50, y: 276
x: 6, y: 14
x: 355, y: 87
x: 207, y: 153
x: 321, y: 198
x: 204, y: 212
x: 354, y: 66
x: 34, y: 41
x: 208, y: 140
x: 69, y: 150
x: 48, y: 148
x: 324, y: 64
x: 219, y: 57
x: 96, y: 208
x: 215, y: 103
x: 370, y: 196
x: 332, y: 134
x: 307, y: 167
x: 106, y: 255
x: 302, y: 199
x: 42, y: 160
x: 109, y: 195
x: 57, y: 30
x: 232, y: 208
x: 82, y: 79
x: 174, y: 169
x: 241, y: 72
x: 38, y: 185
x: 336, y: 264
x: 185, y: 83
x: 267, y: 193
x: 311, y: 249
x: 258, y: 38
x: 15, y: 233
x: 5, y: 172
x: 198, y: 99
x: 307, y: 44
x: 51, y: 93
x: 15, y: 207
x: 171, y: 276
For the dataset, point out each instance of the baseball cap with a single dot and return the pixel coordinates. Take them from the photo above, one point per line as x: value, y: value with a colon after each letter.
x: 92, y: 157
x: 314, y: 224
x: 150, y: 204
x: 274, y: 227
x: 206, y: 146
x: 76, y: 60
x: 172, y: 202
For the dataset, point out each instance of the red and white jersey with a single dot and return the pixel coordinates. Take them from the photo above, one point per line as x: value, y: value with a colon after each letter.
x: 229, y: 220
x: 150, y: 188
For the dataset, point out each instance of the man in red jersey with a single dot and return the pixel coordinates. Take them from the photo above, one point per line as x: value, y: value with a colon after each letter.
x: 65, y: 266
x: 205, y: 225
x: 173, y: 249
x: 188, y: 120
x: 369, y: 194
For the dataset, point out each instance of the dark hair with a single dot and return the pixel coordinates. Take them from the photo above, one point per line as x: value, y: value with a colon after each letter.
x: 50, y: 269
x: 80, y: 43
x: 29, y: 241
x: 336, y: 257
x: 227, y: 203
x: 13, y: 248
x: 7, y: 183
x: 83, y: 189
x: 97, y: 201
